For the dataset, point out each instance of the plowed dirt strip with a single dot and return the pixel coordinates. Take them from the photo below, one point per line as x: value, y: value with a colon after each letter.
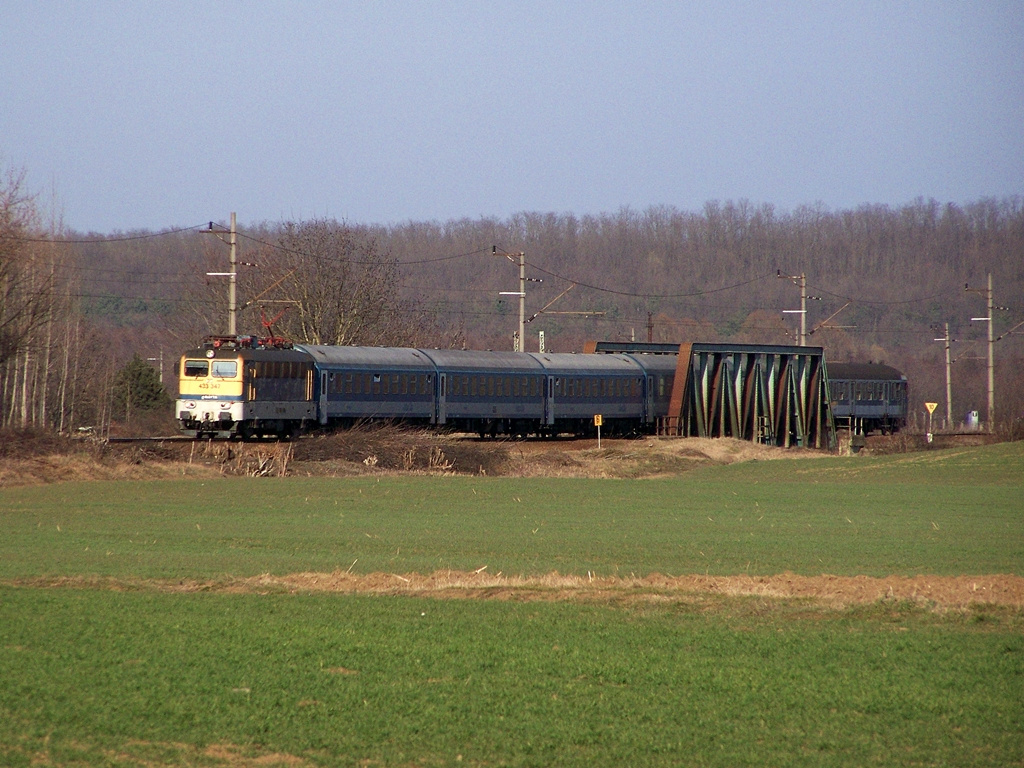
x: 836, y: 591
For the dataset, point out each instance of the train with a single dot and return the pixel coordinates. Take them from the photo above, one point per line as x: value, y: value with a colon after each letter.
x: 245, y: 387
x: 868, y: 397
x: 249, y: 388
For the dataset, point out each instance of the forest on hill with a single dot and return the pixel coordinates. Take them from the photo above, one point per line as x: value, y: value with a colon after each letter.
x: 881, y: 283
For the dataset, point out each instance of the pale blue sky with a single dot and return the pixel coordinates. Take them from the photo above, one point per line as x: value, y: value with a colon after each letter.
x: 156, y: 114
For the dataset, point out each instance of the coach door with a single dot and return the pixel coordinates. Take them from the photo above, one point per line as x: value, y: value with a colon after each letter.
x: 442, y: 394
x: 549, y: 401
x: 323, y: 397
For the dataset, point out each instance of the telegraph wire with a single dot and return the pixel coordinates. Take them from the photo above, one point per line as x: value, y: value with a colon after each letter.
x: 647, y: 295
x: 100, y: 239
x: 855, y: 300
x: 306, y: 254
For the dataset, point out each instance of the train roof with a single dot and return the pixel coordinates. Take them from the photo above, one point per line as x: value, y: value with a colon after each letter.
x: 566, y: 363
x: 246, y: 353
x: 863, y: 372
x: 476, y: 360
x: 381, y: 357
x: 662, y: 364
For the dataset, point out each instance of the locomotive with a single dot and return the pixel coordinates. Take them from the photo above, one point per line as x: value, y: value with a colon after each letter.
x: 245, y: 387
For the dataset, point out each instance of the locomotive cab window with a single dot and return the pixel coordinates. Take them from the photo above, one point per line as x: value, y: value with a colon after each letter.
x: 196, y: 368
x: 225, y: 369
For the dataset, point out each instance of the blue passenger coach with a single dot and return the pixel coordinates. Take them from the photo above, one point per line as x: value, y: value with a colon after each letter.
x: 868, y: 397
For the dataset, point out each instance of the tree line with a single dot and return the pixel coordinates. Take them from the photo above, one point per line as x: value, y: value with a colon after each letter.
x: 881, y: 283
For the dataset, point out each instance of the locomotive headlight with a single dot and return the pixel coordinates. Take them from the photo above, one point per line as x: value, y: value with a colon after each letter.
x: 191, y: 405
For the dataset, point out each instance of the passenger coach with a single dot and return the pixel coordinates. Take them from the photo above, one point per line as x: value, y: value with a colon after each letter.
x: 868, y: 397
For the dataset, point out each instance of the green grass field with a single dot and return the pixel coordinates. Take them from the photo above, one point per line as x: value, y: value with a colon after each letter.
x: 136, y: 676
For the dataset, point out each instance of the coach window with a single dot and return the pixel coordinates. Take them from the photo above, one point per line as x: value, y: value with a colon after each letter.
x: 196, y: 368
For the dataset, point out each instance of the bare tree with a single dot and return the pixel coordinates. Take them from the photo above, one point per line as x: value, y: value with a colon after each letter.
x: 333, y: 285
x: 26, y: 280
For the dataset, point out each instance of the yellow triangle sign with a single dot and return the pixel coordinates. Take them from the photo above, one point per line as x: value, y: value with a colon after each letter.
x: 931, y: 407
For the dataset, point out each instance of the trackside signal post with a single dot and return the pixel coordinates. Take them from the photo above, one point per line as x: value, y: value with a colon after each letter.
x: 931, y: 409
x: 598, y: 420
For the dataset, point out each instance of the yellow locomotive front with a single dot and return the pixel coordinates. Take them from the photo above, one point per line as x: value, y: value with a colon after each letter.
x: 210, y: 392
x: 236, y: 387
